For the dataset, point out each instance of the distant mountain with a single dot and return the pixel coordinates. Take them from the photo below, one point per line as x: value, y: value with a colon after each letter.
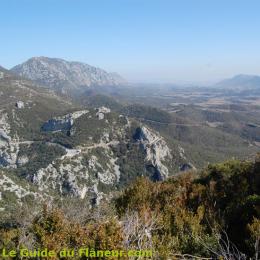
x: 66, y: 76
x: 240, y: 82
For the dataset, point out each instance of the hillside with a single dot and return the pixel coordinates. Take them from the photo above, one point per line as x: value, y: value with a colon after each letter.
x: 241, y: 81
x: 191, y: 128
x: 62, y: 150
x: 65, y: 76
x: 210, y: 214
x: 123, y: 165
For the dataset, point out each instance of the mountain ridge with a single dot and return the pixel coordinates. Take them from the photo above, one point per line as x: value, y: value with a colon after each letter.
x: 240, y: 81
x: 66, y: 76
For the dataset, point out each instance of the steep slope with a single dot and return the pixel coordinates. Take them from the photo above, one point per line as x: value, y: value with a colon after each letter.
x: 65, y: 76
x: 103, y: 152
x: 23, y: 108
x: 49, y: 145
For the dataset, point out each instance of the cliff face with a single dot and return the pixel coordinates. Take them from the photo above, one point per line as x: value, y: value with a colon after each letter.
x: 8, y: 147
x: 156, y: 150
x: 62, y: 122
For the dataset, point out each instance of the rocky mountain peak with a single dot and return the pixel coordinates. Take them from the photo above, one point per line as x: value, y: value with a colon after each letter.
x: 62, y: 75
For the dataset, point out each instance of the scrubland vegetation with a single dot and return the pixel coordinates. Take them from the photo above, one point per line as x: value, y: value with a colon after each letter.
x: 213, y: 214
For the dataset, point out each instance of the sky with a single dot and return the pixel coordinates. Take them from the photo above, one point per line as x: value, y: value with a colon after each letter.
x: 188, y: 41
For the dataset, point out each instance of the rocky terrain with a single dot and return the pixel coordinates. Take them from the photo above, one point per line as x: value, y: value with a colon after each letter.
x: 65, y: 76
x: 50, y: 149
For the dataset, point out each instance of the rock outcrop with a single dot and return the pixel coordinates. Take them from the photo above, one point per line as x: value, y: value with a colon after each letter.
x: 156, y: 149
x: 19, y: 104
x: 63, y: 122
x: 101, y: 111
x: 9, y: 148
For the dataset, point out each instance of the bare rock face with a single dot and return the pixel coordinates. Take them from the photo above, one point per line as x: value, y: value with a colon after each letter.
x: 63, y: 122
x: 8, y: 147
x: 64, y: 76
x: 101, y: 111
x: 9, y: 185
x: 156, y: 149
x: 19, y: 104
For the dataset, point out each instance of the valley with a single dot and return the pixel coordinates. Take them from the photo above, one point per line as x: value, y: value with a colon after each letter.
x: 86, y: 145
x: 78, y: 147
x: 129, y: 130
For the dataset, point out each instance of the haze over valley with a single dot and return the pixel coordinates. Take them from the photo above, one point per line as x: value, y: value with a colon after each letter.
x: 130, y: 130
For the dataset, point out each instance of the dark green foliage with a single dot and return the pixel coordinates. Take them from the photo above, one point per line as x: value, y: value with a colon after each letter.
x: 131, y: 163
x: 87, y: 129
x: 147, y: 112
x: 40, y: 155
x: 227, y: 195
x: 99, y: 100
x: 234, y: 189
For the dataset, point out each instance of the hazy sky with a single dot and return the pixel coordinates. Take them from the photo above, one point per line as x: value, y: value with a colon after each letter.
x: 143, y: 40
